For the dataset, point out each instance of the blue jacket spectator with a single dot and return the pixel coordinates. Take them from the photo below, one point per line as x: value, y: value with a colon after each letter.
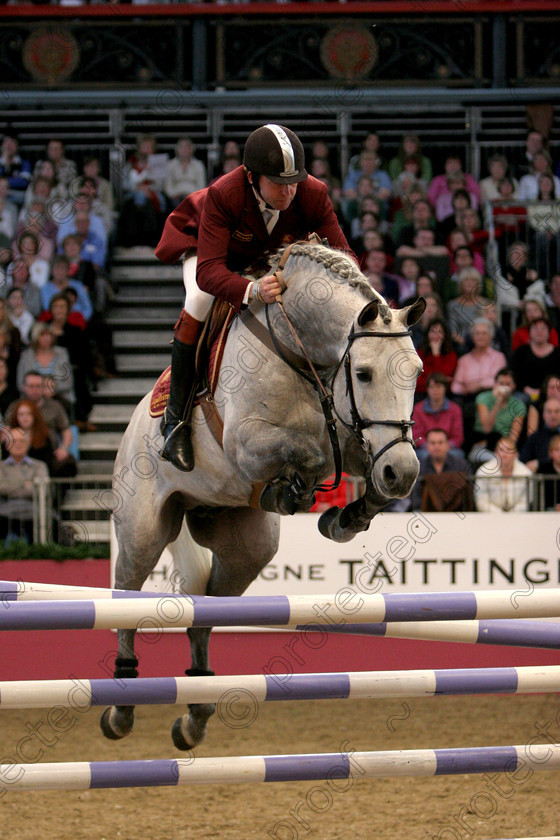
x: 93, y: 242
x: 60, y: 282
x: 14, y: 168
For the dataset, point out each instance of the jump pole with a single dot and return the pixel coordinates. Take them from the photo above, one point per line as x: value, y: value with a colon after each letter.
x: 76, y: 693
x: 345, y: 606
x: 333, y: 767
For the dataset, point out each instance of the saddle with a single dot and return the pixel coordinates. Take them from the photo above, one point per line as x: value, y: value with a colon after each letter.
x: 209, y: 355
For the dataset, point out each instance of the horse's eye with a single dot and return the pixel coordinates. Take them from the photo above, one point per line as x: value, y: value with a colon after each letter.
x: 364, y: 375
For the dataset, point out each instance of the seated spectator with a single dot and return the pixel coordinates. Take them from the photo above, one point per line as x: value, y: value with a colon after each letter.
x: 60, y: 282
x: 39, y: 391
x: 550, y: 489
x: 518, y: 270
x: 185, y: 173
x: 92, y: 170
x: 477, y: 236
x: 550, y: 389
x: 74, y: 339
x: 441, y: 185
x: 37, y: 220
x: 93, y: 248
x: 500, y: 340
x: 460, y: 201
x: 230, y: 159
x: 523, y: 163
x: 529, y: 184
x: 11, y: 341
x: 531, y: 309
x: 422, y: 217
x: 371, y: 143
x: 19, y: 315
x: 25, y: 415
x: 463, y: 257
x: 490, y: 186
x: 28, y: 249
x: 476, y: 371
x: 410, y: 147
x: 409, y: 180
x: 352, y: 208
x: 544, y: 227
x: 8, y: 212
x: 437, y: 354
x: 463, y: 310
x: 503, y: 483
x: 443, y: 483
x: 446, y: 208
x: 141, y: 218
x: 83, y: 271
x: 553, y: 302
x: 65, y: 170
x: 49, y: 360
x: 383, y: 282
x: 533, y: 361
x: 535, y: 448
x: 18, y: 278
x: 433, y: 310
x: 8, y: 392
x: 402, y: 216
x: 499, y: 413
x: 369, y: 167
x: 14, y: 167
x: 87, y: 199
x: 424, y: 249
x: 437, y: 411
x: 18, y: 474
x: 320, y: 169
x: 409, y: 273
x: 368, y: 221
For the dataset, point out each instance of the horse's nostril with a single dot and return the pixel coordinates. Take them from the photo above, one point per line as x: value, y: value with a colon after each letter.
x: 389, y: 474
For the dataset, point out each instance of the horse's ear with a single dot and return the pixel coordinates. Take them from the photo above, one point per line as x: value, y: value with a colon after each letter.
x: 368, y: 313
x: 410, y: 315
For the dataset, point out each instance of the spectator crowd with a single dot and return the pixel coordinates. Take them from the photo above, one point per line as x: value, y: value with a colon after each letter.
x: 484, y: 254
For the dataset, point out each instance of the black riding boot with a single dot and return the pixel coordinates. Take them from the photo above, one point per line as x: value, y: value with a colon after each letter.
x: 176, y: 424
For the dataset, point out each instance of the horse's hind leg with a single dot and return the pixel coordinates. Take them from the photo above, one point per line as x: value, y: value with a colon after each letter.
x: 134, y: 564
x: 243, y: 541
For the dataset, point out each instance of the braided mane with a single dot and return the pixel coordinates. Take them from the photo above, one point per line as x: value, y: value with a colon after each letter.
x: 335, y: 261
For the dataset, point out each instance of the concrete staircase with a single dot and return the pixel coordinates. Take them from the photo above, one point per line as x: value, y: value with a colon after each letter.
x: 148, y: 302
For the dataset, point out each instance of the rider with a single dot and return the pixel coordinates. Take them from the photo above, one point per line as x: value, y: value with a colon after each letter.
x: 267, y: 202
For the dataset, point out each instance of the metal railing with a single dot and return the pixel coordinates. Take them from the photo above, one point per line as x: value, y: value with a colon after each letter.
x: 75, y: 512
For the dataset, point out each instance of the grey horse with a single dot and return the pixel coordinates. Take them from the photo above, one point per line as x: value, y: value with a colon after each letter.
x: 274, y: 433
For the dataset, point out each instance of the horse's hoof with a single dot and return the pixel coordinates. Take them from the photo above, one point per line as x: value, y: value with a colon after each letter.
x: 178, y: 737
x: 107, y: 728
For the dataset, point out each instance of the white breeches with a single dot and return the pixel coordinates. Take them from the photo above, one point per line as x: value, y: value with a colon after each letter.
x: 197, y: 302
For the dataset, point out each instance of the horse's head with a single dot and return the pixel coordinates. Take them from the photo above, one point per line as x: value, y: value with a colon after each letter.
x: 381, y: 367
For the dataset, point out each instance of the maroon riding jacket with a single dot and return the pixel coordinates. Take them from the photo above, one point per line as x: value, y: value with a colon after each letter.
x: 225, y: 226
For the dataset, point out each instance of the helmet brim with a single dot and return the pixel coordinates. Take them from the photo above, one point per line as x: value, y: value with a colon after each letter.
x: 289, y: 179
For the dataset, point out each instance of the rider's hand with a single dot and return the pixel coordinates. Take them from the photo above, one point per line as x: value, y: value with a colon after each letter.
x: 269, y: 289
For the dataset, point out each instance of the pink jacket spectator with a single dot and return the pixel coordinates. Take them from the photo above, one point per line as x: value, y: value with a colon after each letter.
x: 481, y: 369
x: 449, y: 418
x: 439, y: 185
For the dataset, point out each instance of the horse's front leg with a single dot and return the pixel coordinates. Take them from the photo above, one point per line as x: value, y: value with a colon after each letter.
x: 189, y: 730
x: 291, y: 461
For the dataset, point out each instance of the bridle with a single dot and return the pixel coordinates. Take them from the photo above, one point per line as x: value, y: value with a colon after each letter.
x: 325, y: 390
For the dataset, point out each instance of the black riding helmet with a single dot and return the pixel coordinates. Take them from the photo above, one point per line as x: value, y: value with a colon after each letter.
x: 275, y: 152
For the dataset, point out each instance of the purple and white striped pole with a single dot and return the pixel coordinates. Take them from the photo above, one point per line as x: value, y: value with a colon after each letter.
x: 82, y: 694
x: 277, y: 768
x: 337, y: 610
